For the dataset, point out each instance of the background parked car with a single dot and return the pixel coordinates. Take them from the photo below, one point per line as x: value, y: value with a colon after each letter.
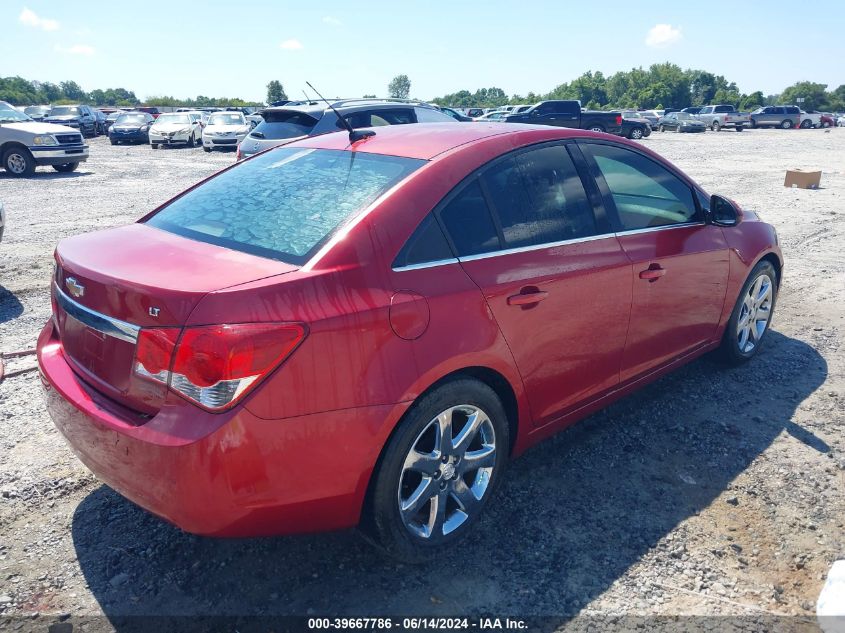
x: 692, y: 110
x: 111, y: 117
x: 79, y: 116
x: 634, y: 128
x: 175, y: 128
x: 456, y: 115
x: 783, y: 116
x: 224, y: 130
x: 567, y: 113
x: 651, y: 117
x: 149, y: 110
x: 497, y: 115
x: 680, y: 122
x: 131, y: 127
x: 474, y: 112
x: 37, y: 112
x: 309, y: 118
x: 717, y: 117
x: 827, y: 120
x: 26, y: 144
x: 638, y: 116
x: 101, y: 121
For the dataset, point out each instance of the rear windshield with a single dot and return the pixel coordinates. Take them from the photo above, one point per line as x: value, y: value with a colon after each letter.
x: 288, y: 126
x: 283, y: 204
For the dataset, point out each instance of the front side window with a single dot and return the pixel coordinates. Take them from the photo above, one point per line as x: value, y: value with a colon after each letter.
x: 539, y: 199
x: 644, y: 193
x: 283, y: 204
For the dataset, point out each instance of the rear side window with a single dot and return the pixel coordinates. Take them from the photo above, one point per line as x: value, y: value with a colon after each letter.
x: 284, y: 125
x: 539, y: 199
x: 467, y: 220
x: 377, y: 118
x: 427, y: 244
x: 283, y: 204
x: 430, y: 115
x: 645, y: 194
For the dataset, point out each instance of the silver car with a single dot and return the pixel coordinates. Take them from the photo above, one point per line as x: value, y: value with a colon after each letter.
x: 299, y: 119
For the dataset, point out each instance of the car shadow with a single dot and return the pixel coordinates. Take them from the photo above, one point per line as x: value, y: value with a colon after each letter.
x: 52, y: 174
x: 574, y: 514
x: 10, y: 306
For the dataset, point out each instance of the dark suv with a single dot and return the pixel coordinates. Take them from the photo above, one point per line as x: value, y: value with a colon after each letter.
x: 298, y: 119
x: 785, y: 117
x: 81, y: 117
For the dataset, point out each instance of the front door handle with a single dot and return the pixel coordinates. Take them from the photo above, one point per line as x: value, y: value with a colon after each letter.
x: 652, y: 273
x: 528, y: 298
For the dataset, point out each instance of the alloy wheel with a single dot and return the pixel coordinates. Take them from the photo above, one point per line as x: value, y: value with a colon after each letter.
x: 16, y: 163
x: 447, y: 472
x: 755, y: 314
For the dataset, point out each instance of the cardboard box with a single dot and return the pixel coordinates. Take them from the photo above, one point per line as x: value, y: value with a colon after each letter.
x: 802, y: 179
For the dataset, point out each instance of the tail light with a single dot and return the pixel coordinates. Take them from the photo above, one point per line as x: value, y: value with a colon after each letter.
x: 618, y: 119
x: 238, y: 155
x: 215, y: 366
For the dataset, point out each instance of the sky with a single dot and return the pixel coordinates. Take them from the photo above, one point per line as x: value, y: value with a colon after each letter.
x: 228, y: 48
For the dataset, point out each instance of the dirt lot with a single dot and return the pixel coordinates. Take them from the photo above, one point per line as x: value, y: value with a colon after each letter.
x: 712, y: 492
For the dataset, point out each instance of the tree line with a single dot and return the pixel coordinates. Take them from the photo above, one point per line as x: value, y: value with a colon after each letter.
x: 660, y: 86
x: 19, y: 91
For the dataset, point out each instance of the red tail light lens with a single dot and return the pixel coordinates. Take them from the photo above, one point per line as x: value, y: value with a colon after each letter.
x: 238, y: 155
x: 618, y: 119
x: 215, y: 366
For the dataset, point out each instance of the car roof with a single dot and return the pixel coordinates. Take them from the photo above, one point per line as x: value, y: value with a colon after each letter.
x: 317, y: 108
x: 427, y: 140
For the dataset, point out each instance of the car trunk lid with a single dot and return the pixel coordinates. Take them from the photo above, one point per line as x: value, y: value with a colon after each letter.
x: 109, y: 284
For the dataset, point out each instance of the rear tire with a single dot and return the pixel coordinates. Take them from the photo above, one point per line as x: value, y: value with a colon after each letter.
x: 114, y: 142
x: 66, y: 168
x: 424, y: 497
x: 660, y: 128
x: 715, y: 126
x: 746, y: 329
x: 596, y: 128
x: 786, y: 124
x: 636, y: 134
x: 825, y: 124
x: 739, y: 128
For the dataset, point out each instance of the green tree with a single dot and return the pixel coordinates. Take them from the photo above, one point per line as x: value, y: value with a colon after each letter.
x: 399, y: 87
x: 815, y: 95
x: 836, y: 99
x: 752, y: 101
x: 275, y: 92
x: 73, y: 91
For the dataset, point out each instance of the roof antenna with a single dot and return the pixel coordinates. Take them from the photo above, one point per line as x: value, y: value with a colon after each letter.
x: 354, y: 135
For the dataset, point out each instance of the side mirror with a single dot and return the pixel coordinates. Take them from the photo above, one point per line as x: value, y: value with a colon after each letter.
x: 723, y: 212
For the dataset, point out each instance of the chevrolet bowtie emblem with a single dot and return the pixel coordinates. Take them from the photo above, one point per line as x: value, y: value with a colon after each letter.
x: 74, y: 287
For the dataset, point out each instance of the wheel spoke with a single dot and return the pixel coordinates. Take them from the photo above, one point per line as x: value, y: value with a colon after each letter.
x: 484, y: 457
x: 425, y: 491
x: 764, y: 290
x: 426, y: 463
x: 743, y: 337
x: 437, y: 513
x: 443, y: 443
x: 465, y: 497
x: 468, y: 433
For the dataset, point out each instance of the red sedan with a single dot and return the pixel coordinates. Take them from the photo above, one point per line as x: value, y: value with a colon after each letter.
x: 333, y: 334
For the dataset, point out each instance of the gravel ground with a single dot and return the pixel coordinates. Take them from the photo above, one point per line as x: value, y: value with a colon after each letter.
x: 712, y: 492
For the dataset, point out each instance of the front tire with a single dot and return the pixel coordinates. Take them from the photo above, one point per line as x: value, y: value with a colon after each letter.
x: 153, y: 145
x: 66, y: 168
x: 806, y: 124
x: 18, y: 162
x: 206, y: 149
x: 439, y: 470
x: 751, y: 316
x: 660, y: 128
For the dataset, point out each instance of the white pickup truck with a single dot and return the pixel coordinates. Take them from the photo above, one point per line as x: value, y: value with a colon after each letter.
x: 718, y: 116
x: 26, y: 144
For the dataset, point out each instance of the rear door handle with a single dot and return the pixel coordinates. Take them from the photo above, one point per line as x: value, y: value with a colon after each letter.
x: 652, y: 273
x: 528, y: 298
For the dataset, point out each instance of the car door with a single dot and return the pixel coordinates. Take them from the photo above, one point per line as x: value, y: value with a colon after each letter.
x: 554, y: 276
x: 671, y: 122
x: 680, y: 263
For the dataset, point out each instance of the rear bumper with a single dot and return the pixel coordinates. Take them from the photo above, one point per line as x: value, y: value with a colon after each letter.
x: 230, y: 474
x: 59, y: 155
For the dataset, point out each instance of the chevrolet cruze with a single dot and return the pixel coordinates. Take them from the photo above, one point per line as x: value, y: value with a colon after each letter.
x: 364, y: 331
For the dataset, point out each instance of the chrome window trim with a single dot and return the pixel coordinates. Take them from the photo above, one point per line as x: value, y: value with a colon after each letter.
x: 536, y: 247
x: 431, y: 264
x: 652, y: 229
x: 96, y: 321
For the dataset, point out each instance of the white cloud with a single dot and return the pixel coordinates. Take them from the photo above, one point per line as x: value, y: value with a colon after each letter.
x: 30, y: 18
x: 291, y: 45
x: 663, y: 35
x: 330, y: 19
x: 76, y: 49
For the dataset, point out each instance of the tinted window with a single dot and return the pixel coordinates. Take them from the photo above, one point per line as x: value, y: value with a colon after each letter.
x: 376, y: 118
x: 645, y: 193
x: 285, y: 203
x: 427, y: 244
x: 468, y: 221
x: 430, y: 115
x: 289, y: 125
x: 539, y: 199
